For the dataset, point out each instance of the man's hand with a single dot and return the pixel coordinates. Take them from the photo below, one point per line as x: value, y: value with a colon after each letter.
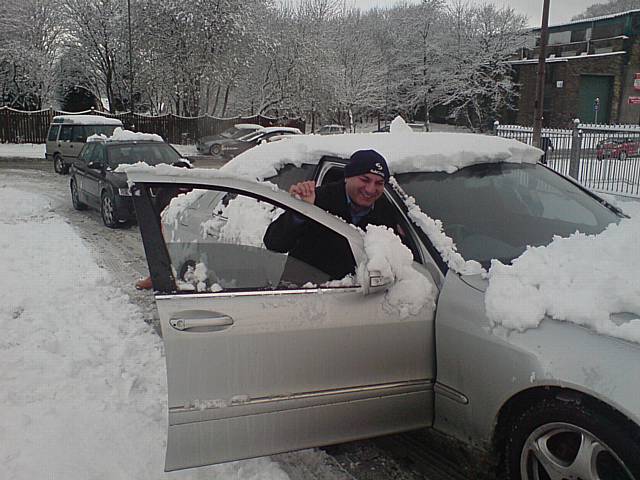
x: 304, y: 191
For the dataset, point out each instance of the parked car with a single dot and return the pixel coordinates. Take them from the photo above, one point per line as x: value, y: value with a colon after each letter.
x: 257, y: 366
x: 68, y: 133
x: 231, y: 147
x: 620, y: 148
x: 211, y: 144
x: 331, y: 130
x: 95, y: 183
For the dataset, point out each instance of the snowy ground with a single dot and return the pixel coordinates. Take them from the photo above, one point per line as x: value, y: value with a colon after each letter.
x: 83, y: 385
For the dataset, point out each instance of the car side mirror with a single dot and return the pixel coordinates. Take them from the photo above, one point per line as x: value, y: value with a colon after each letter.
x: 376, y: 281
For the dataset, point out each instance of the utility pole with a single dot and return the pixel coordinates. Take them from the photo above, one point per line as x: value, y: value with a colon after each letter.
x: 538, y: 108
x: 130, y: 60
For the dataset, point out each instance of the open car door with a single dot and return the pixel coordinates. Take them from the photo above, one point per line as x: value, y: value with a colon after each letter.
x: 258, y: 363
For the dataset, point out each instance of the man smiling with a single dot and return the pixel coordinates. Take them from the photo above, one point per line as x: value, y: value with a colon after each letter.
x: 358, y: 200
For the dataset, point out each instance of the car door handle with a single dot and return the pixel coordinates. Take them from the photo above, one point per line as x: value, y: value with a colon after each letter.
x: 201, y: 324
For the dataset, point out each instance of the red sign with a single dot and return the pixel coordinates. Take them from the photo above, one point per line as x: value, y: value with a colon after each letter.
x: 636, y: 81
x: 634, y: 101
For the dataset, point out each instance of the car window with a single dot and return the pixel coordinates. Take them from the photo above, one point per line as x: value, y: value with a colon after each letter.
x: 497, y: 210
x: 220, y: 243
x: 66, y: 133
x: 290, y: 174
x: 87, y: 152
x: 53, y: 133
x: 99, y: 154
x: 79, y: 134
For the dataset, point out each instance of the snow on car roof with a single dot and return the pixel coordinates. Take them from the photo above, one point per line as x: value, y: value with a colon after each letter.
x: 280, y: 129
x: 404, y: 152
x: 86, y: 120
x: 122, y: 135
x: 243, y: 126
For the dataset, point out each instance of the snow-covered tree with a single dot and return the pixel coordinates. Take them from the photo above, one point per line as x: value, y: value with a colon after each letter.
x: 29, y: 47
x: 612, y: 6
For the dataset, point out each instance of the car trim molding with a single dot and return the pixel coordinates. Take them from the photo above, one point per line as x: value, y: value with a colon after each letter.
x: 450, y: 393
x: 201, y: 410
x: 252, y: 293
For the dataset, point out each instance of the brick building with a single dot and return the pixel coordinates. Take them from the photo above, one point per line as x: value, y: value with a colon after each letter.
x: 592, y: 61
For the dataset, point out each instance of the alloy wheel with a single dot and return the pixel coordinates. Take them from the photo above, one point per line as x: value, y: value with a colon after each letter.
x: 108, y: 216
x: 562, y: 451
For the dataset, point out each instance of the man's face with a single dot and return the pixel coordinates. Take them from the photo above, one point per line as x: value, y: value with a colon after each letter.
x: 365, y: 189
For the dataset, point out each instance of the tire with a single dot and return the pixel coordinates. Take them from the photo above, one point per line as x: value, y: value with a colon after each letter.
x: 622, y: 156
x: 59, y: 166
x: 545, y: 440
x: 75, y: 200
x: 215, y: 149
x: 108, y: 210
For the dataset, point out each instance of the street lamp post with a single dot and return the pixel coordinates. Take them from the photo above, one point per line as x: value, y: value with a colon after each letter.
x: 538, y: 109
x: 130, y: 60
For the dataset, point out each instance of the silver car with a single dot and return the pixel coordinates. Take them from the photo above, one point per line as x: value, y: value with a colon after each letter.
x: 258, y: 365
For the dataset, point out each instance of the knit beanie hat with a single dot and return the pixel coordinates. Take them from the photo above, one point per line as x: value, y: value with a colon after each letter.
x: 367, y: 161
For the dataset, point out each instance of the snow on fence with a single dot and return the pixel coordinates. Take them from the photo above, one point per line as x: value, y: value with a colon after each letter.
x: 601, y: 157
x: 17, y: 126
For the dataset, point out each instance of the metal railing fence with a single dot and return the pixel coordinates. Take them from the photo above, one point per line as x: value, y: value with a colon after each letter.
x: 601, y: 157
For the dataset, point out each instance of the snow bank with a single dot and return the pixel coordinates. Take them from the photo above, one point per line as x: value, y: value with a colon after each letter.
x: 83, y: 382
x: 22, y: 150
x: 590, y: 280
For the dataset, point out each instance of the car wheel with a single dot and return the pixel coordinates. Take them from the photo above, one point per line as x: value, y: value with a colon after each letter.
x: 59, y: 165
x: 622, y: 155
x: 108, y: 211
x: 566, y: 440
x: 215, y: 149
x: 77, y: 204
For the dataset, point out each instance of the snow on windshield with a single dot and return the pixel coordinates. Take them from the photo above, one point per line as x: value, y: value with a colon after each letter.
x: 590, y: 280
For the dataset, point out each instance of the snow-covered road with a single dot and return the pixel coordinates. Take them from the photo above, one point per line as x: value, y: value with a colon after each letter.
x: 83, y: 388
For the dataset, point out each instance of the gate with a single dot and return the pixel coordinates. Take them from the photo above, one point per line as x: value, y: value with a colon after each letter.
x: 603, y: 158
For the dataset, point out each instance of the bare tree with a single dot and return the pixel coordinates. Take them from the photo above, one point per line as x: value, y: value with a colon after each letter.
x: 612, y: 6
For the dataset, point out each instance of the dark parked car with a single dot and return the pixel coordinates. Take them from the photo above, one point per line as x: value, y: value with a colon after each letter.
x: 95, y: 183
x: 232, y: 147
x: 212, y: 144
x: 619, y: 148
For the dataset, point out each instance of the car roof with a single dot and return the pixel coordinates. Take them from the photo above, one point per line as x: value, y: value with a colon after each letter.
x: 247, y: 126
x: 332, y: 125
x: 281, y: 129
x: 86, y: 120
x: 404, y: 152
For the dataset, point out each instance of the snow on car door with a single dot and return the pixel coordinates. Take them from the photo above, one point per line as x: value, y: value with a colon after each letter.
x: 257, y: 361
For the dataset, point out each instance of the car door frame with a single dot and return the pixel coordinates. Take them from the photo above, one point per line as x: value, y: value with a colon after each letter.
x: 396, y: 406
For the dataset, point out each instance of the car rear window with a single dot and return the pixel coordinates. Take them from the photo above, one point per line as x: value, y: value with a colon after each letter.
x: 149, y: 153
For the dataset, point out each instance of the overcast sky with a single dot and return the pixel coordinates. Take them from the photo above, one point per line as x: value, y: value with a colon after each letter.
x: 561, y: 10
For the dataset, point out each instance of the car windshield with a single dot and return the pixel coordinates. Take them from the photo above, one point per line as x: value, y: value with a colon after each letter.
x: 150, y: 153
x: 494, y: 211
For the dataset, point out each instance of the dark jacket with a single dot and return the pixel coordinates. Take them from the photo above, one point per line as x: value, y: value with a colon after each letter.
x: 316, y: 245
